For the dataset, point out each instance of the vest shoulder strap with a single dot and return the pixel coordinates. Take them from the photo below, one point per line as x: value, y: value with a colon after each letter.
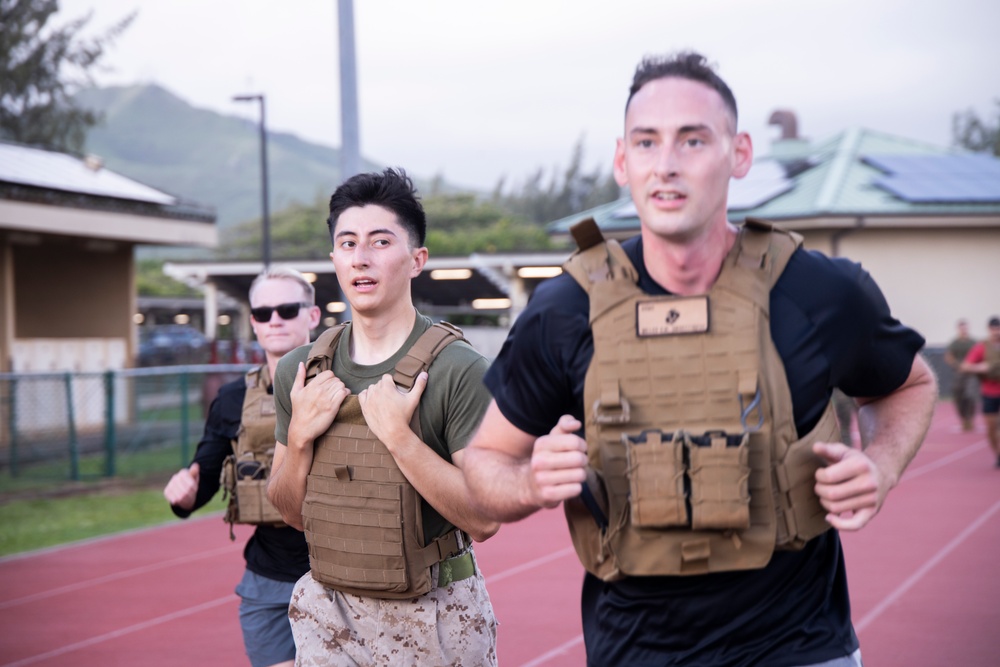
x: 597, y: 259
x: 322, y: 351
x: 424, y: 351
x: 758, y: 259
x: 767, y: 247
x: 256, y: 376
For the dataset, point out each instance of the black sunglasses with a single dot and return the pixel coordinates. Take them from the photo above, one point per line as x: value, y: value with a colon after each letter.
x: 286, y: 311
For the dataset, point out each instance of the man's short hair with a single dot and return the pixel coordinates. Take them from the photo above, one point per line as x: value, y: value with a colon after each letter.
x: 393, y: 190
x: 994, y: 321
x: 683, y: 65
x: 282, y: 273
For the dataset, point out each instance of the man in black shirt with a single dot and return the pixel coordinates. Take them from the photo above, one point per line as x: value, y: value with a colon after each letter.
x: 831, y: 328
x: 282, y: 315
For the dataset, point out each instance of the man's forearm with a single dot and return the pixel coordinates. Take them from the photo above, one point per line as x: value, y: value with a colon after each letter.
x: 893, y: 427
x: 499, y: 484
x: 287, y: 487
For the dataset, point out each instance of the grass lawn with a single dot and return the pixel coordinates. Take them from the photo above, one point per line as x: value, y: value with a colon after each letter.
x: 31, y: 524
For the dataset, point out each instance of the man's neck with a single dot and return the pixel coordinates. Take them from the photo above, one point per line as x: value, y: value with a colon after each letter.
x: 376, y: 338
x: 690, y: 267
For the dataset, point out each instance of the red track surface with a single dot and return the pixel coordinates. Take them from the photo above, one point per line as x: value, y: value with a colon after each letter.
x: 924, y: 582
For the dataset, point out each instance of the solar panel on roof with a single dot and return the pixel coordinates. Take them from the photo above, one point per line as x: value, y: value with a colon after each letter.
x: 939, y: 178
x: 765, y: 181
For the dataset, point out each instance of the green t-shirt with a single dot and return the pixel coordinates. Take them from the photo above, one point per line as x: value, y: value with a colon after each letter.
x: 959, y: 348
x: 451, y: 407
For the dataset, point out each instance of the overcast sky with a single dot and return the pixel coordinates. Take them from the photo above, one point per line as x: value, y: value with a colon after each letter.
x: 477, y: 90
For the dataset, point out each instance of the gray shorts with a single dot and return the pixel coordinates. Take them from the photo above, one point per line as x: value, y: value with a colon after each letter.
x: 453, y: 625
x: 267, y: 635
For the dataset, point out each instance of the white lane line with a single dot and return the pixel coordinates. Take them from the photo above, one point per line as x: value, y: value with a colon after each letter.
x: 554, y: 653
x: 942, y: 462
x: 122, y: 632
x: 529, y: 565
x: 118, y: 575
x: 924, y: 569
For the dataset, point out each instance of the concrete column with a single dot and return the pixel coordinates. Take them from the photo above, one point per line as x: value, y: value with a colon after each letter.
x: 518, y: 296
x: 243, y: 330
x: 211, y: 310
x: 6, y: 306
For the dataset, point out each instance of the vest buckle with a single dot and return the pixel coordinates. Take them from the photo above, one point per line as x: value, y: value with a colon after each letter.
x: 618, y: 414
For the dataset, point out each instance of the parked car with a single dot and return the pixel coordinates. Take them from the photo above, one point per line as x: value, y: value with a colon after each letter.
x: 172, y: 344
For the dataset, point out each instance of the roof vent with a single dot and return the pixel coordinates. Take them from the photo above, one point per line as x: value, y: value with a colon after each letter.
x: 787, y: 121
x: 93, y: 163
x: 791, y: 150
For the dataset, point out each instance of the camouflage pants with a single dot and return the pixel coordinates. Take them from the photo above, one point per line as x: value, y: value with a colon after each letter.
x: 450, y: 626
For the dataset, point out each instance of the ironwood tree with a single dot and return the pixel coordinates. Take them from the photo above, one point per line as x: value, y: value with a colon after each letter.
x: 42, y: 65
x: 977, y: 134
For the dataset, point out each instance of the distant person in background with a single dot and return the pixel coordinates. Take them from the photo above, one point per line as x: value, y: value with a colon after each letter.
x: 963, y: 387
x: 282, y: 315
x: 984, y: 360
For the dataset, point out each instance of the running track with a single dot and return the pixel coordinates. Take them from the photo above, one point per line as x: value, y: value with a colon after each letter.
x: 924, y: 577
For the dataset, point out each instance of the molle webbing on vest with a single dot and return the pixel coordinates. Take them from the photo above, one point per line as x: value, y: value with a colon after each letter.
x: 690, y: 432
x: 362, y: 517
x: 245, y: 473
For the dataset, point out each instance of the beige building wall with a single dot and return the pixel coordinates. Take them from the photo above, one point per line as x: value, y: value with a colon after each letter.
x: 72, y: 289
x: 930, y: 277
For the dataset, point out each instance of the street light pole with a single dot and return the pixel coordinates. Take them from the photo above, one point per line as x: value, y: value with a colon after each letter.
x: 266, y: 240
x: 350, y: 140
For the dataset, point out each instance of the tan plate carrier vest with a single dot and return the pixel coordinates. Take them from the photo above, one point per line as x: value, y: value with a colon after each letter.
x: 362, y: 517
x: 991, y: 355
x: 690, y: 435
x: 245, y: 472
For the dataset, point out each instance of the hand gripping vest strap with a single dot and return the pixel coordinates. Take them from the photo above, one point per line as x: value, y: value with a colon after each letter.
x: 362, y: 517
x: 245, y: 472
x: 695, y: 462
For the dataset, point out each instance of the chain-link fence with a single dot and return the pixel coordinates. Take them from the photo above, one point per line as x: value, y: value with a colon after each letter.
x: 58, y: 427
x: 79, y: 426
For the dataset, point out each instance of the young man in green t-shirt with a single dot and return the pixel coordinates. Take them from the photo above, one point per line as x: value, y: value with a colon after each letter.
x: 963, y: 386
x: 377, y: 227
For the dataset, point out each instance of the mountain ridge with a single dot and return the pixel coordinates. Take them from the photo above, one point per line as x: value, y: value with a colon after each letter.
x: 198, y: 155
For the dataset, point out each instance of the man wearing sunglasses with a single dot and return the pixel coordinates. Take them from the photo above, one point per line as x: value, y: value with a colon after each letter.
x: 391, y: 443
x: 282, y: 315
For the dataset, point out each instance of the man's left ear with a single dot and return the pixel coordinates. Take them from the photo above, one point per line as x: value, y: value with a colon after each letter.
x: 742, y: 154
x: 314, y: 316
x: 419, y: 261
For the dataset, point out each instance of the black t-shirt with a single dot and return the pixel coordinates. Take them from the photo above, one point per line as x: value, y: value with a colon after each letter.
x: 278, y: 553
x: 832, y: 328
